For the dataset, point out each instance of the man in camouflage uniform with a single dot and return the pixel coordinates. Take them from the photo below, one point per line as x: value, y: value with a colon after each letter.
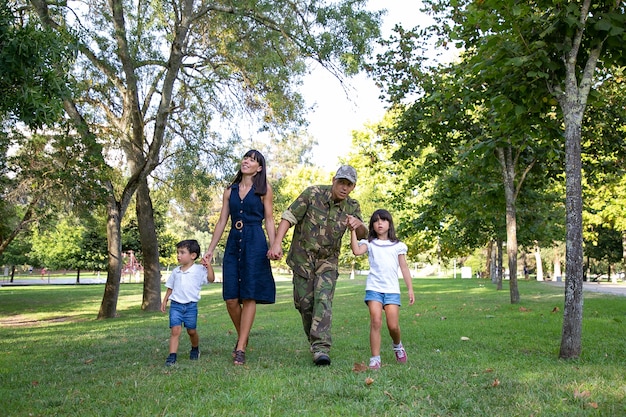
x: 321, y: 215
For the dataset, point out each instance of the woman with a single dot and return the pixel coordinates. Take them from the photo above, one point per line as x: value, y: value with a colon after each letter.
x: 247, y: 274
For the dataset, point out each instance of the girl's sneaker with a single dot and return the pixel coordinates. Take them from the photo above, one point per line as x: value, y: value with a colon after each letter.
x: 374, y: 364
x: 400, y: 354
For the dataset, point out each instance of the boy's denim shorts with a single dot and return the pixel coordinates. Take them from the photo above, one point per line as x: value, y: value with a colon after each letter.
x: 186, y: 314
x: 383, y: 298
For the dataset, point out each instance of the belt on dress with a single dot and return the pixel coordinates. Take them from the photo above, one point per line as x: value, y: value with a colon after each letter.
x: 239, y: 224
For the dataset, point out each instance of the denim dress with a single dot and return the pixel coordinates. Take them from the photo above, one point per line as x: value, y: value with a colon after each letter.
x: 247, y: 273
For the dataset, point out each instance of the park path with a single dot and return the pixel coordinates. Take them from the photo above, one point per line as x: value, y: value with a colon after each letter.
x: 602, y: 287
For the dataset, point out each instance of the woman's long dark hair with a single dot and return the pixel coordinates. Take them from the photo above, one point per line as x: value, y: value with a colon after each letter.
x: 260, y: 178
x: 383, y: 215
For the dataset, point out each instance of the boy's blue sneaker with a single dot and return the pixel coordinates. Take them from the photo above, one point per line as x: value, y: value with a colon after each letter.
x: 171, y: 359
x: 194, y: 354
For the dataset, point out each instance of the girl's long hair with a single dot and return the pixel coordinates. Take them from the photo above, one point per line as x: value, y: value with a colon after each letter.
x: 383, y: 215
x: 260, y: 178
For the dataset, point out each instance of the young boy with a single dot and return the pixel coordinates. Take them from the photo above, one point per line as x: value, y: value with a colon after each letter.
x: 183, y: 288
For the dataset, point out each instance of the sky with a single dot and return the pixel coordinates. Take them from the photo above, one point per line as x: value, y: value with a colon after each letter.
x: 335, y: 115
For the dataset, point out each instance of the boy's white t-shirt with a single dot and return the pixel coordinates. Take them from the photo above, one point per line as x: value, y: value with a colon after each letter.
x: 384, y: 264
x: 186, y: 285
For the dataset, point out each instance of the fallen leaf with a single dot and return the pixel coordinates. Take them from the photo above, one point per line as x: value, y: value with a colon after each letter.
x: 417, y: 315
x: 524, y: 309
x: 369, y: 381
x: 556, y: 310
x: 593, y: 405
x: 465, y: 338
x: 34, y: 383
x: 88, y: 361
x: 495, y: 382
x: 389, y: 395
x: 583, y: 394
x: 359, y: 367
x: 488, y: 370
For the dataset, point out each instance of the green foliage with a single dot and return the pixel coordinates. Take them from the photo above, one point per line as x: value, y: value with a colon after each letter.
x: 507, y: 367
x: 17, y: 253
x: 93, y: 249
x: 59, y: 248
x: 35, y: 62
x: 44, y: 175
x: 501, y: 94
x: 606, y: 246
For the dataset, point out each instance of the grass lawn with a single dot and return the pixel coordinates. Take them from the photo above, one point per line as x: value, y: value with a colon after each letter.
x: 470, y: 353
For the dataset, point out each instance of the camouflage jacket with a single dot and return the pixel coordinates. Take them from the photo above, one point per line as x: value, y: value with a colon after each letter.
x: 319, y: 226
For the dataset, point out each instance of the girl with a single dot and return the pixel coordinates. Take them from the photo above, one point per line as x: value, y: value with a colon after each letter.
x: 382, y: 290
x: 247, y: 274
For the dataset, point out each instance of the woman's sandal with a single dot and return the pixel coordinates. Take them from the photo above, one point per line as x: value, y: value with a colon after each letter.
x: 240, y: 357
x: 235, y: 348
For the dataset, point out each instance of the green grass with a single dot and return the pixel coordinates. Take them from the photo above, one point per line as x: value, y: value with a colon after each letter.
x: 57, y: 360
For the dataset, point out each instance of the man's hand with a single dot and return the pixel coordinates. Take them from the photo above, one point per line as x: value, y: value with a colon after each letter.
x: 275, y: 252
x: 354, y: 223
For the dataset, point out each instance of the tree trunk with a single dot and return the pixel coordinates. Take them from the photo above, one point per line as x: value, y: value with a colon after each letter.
x: 613, y: 278
x: 149, y: 249
x: 78, y: 275
x: 505, y: 156
x: 489, y: 261
x: 538, y: 262
x: 108, y: 308
x: 525, y: 265
x: 571, y: 338
x: 499, y: 268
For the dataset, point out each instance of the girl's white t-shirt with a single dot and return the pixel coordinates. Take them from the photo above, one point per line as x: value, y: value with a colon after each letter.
x: 384, y: 265
x: 186, y: 285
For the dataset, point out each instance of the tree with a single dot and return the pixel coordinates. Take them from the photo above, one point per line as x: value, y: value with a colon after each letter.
x: 34, y: 64
x: 43, y: 165
x: 480, y: 141
x: 155, y: 73
x: 17, y: 253
x: 604, y: 156
x: 59, y: 248
x: 553, y: 49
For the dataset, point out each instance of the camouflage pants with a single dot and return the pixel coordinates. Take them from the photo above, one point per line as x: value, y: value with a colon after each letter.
x: 313, y: 298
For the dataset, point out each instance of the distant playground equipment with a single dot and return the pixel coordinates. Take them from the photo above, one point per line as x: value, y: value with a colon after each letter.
x: 132, y: 269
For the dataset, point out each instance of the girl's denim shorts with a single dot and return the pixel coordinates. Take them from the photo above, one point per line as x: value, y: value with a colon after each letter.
x: 383, y: 298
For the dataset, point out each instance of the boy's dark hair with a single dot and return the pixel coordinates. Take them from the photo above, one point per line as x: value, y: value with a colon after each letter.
x: 260, y: 179
x: 383, y: 215
x: 191, y: 245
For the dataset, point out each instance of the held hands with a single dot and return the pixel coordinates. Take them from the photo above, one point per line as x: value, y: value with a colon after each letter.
x: 353, y: 223
x: 275, y: 252
x: 206, y: 259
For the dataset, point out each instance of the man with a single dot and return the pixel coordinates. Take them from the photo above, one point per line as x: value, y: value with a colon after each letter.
x: 321, y: 215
